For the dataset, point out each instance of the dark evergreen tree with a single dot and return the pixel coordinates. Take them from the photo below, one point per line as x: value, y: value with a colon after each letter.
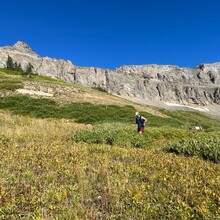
x: 9, y: 64
x: 19, y: 68
x: 29, y: 69
x: 15, y: 65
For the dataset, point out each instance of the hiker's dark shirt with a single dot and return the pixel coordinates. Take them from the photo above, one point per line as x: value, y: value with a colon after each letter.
x: 138, y: 121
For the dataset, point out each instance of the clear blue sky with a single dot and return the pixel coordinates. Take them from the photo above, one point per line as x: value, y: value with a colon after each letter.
x: 111, y: 33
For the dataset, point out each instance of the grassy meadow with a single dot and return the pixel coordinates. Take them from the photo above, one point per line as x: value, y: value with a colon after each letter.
x: 82, y: 160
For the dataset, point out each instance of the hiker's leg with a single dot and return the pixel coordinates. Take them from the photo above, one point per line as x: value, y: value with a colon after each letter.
x: 141, y: 130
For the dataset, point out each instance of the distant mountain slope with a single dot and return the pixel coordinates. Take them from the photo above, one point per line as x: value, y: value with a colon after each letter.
x: 13, y: 83
x: 149, y: 84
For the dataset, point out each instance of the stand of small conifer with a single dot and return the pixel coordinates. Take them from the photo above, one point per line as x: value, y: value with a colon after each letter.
x: 11, y: 65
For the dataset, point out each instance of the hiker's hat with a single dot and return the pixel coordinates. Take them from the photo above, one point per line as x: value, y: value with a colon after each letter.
x: 136, y: 113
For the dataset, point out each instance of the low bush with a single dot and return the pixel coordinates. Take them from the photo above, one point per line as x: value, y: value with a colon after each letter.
x: 86, y: 113
x: 117, y: 135
x: 81, y: 112
x: 125, y: 135
x: 204, y: 145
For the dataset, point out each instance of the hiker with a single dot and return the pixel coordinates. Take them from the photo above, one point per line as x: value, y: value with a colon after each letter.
x: 140, y: 121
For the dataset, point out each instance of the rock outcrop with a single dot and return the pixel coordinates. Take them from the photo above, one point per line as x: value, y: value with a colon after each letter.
x: 199, y: 85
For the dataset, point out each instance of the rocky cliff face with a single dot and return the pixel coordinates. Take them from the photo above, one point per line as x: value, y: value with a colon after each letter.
x: 200, y: 85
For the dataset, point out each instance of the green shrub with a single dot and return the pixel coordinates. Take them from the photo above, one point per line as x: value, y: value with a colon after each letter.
x: 125, y: 135
x: 204, y: 145
x: 81, y: 112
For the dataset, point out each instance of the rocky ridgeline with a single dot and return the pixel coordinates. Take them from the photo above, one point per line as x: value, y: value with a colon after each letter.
x: 200, y: 85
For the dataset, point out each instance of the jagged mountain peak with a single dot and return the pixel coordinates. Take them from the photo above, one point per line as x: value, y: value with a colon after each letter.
x: 22, y: 46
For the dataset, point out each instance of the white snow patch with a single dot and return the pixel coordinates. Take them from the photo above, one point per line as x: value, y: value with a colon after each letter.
x: 32, y: 92
x: 201, y: 109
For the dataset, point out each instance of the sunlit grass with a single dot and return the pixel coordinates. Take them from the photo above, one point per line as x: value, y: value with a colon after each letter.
x: 46, y: 175
x: 9, y: 83
x: 34, y: 77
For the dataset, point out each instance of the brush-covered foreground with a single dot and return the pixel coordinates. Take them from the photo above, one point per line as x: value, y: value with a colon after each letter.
x: 45, y: 175
x: 54, y: 168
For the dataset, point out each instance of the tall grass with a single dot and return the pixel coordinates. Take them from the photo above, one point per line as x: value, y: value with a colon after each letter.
x: 9, y: 84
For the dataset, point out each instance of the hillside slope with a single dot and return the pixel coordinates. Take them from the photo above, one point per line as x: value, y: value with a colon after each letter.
x: 71, y: 152
x: 14, y: 83
x: 150, y: 84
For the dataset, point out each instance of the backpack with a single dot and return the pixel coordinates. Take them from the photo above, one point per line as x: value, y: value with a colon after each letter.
x: 142, y: 120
